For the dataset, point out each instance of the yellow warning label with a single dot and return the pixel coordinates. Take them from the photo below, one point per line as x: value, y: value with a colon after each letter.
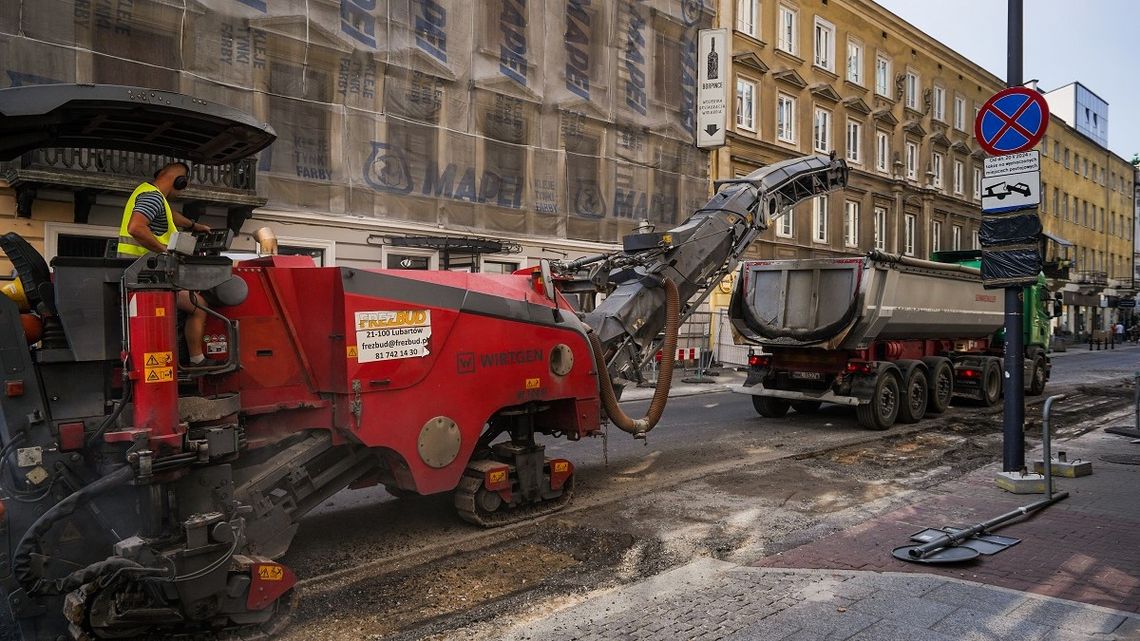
x: 160, y: 311
x: 270, y: 572
x: 158, y: 359
x: 561, y: 466
x: 352, y: 351
x: 533, y: 383
x: 497, y: 476
x: 158, y: 374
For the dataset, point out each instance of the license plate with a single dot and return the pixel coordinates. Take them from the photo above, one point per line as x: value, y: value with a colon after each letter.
x: 808, y: 376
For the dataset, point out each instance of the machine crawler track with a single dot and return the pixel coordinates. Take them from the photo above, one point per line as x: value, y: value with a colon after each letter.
x: 467, y: 504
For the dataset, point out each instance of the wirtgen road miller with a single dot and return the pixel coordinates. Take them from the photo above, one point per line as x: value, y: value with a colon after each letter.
x: 145, y: 500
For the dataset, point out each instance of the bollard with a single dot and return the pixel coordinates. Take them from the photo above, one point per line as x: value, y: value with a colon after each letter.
x: 1046, y: 444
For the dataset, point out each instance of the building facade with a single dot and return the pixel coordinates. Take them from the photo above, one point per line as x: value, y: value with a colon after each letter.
x: 849, y: 77
x: 411, y: 133
x: 1087, y: 209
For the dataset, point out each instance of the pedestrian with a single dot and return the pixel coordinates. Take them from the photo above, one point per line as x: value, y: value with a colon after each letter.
x: 1119, y: 332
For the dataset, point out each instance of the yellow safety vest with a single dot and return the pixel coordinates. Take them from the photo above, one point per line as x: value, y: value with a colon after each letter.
x: 128, y: 246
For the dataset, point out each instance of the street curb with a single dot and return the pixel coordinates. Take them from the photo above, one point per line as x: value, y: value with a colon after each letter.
x: 989, y: 586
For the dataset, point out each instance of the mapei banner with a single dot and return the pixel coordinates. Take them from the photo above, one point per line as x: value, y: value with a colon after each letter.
x: 531, y: 116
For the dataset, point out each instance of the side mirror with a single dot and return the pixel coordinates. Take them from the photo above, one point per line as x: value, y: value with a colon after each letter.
x: 1057, y: 306
x: 547, y: 278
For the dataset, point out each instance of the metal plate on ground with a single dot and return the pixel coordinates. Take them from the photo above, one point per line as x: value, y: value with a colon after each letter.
x: 1130, y: 432
x: 945, y: 555
x: 984, y: 543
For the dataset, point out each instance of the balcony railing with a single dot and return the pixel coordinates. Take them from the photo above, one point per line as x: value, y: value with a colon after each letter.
x: 99, y: 170
x: 1090, y: 277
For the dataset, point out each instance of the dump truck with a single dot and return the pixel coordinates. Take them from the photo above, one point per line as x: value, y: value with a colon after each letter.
x: 895, y: 337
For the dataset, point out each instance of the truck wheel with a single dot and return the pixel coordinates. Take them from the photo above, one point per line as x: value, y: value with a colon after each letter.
x: 769, y: 407
x: 991, y: 382
x: 881, y: 412
x: 1037, y: 377
x: 915, y: 394
x: 806, y: 407
x: 941, y: 385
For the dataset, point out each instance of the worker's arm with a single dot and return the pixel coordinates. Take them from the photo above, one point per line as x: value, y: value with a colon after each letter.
x: 139, y: 229
x: 182, y: 222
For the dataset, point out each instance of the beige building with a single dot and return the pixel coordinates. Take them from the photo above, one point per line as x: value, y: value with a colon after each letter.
x: 1088, y: 204
x: 850, y: 77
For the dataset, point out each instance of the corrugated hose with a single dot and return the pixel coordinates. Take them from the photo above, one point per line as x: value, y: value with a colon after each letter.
x: 640, y: 426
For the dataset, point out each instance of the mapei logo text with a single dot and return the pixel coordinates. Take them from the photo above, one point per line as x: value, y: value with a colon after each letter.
x: 388, y: 170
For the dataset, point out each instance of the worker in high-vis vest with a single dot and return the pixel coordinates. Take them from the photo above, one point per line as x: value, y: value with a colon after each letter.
x: 148, y: 222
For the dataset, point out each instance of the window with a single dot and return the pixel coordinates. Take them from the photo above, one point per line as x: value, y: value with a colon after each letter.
x: 1076, y: 163
x: 1056, y: 151
x: 786, y: 118
x: 881, y: 228
x: 911, y: 222
x: 747, y: 13
x: 786, y: 23
x: 819, y: 219
x: 911, y: 90
x: 854, y: 134
x: 499, y: 267
x: 882, y: 75
x: 959, y: 113
x: 786, y: 225
x: 1044, y: 198
x: 746, y: 104
x: 956, y: 237
x: 911, y: 160
x: 935, y: 236
x: 959, y: 177
x: 1056, y: 201
x: 976, y: 244
x: 936, y: 167
x: 1066, y: 157
x: 1065, y: 207
x: 821, y: 131
x: 882, y: 150
x: 1085, y: 171
x: 855, y: 61
x: 977, y: 184
x: 824, y: 44
x: 939, y: 104
x: 851, y: 223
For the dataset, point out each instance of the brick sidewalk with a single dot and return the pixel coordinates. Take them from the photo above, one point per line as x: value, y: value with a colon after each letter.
x: 1085, y: 548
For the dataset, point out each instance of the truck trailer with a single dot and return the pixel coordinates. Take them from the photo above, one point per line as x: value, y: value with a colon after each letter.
x: 893, y: 336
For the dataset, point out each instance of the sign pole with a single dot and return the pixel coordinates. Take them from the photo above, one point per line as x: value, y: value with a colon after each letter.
x: 1013, y: 415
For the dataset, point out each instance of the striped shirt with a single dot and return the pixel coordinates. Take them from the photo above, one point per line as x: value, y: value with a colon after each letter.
x: 152, y: 205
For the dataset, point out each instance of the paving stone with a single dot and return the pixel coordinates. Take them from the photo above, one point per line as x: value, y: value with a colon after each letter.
x: 895, y: 631
x: 762, y: 631
x: 822, y: 619
x: 910, y: 585
x: 909, y: 610
x: 1130, y: 629
x: 1057, y: 614
x: 976, y: 625
x: 976, y: 597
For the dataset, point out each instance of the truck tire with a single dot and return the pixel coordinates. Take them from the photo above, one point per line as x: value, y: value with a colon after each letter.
x: 881, y: 412
x: 806, y: 407
x: 914, y: 396
x: 1037, y: 376
x: 991, y: 382
x: 941, y: 382
x: 769, y: 407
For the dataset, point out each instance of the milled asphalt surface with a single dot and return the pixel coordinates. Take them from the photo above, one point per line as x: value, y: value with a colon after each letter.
x: 717, y: 601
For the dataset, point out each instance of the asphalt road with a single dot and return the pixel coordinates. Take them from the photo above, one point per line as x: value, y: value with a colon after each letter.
x: 714, y: 420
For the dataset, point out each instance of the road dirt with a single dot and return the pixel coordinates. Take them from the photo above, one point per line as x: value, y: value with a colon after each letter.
x: 739, y: 514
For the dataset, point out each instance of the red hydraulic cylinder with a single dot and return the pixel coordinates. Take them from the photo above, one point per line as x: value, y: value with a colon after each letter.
x: 152, y: 341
